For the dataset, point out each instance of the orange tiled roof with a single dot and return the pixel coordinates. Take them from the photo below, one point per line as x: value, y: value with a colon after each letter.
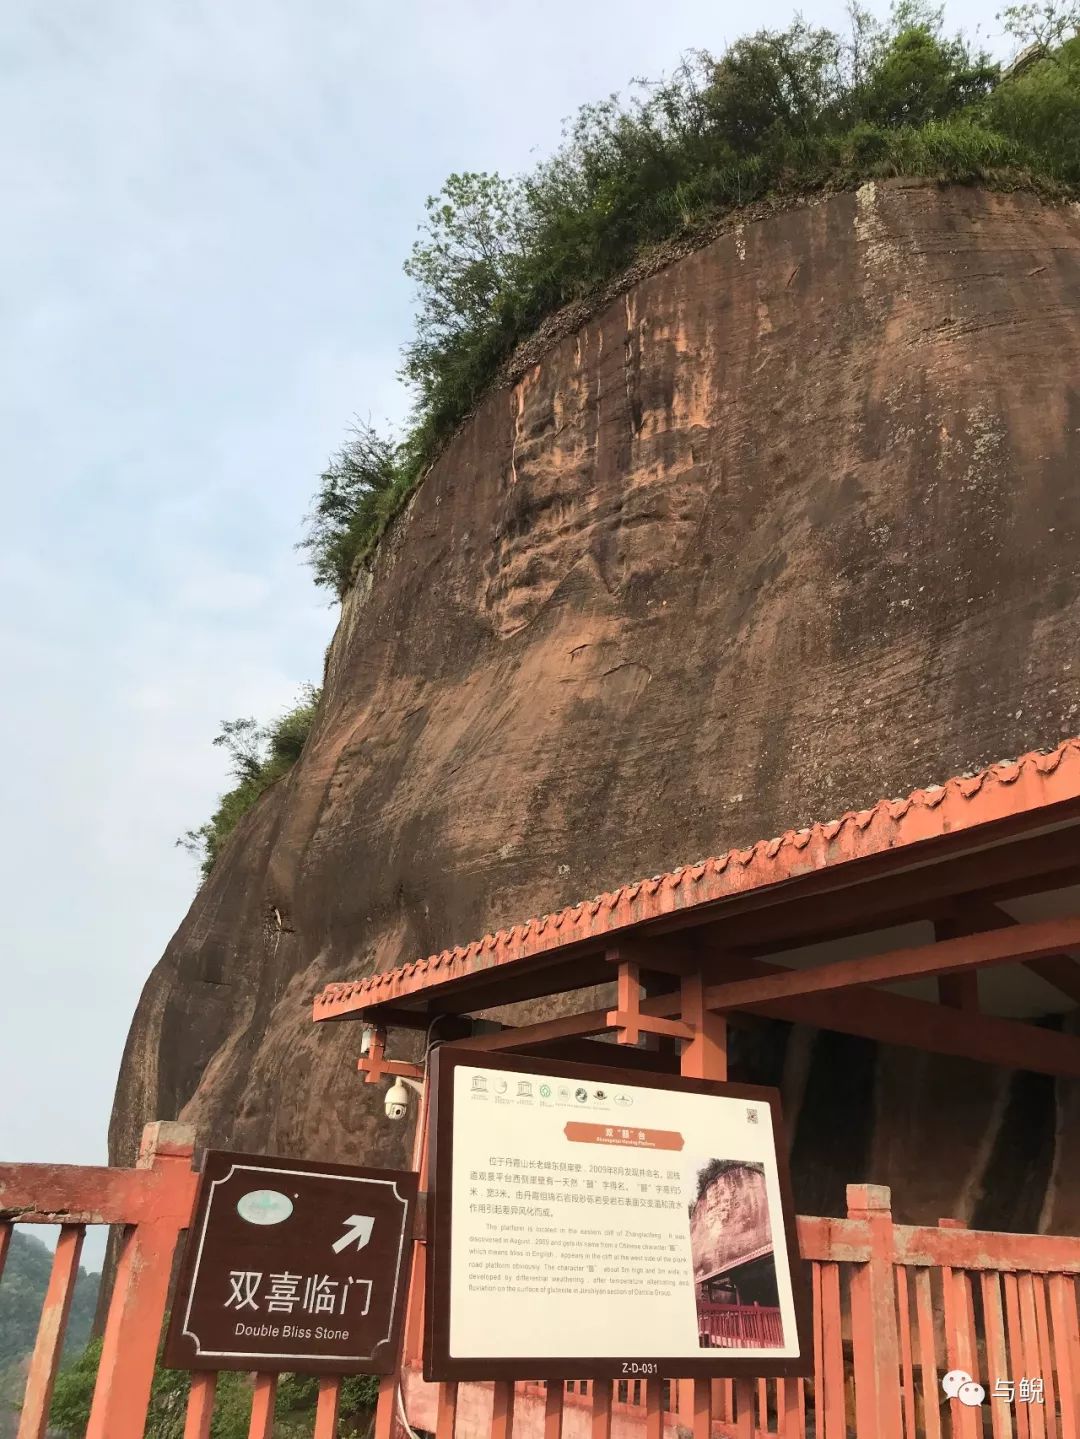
x: 1012, y: 787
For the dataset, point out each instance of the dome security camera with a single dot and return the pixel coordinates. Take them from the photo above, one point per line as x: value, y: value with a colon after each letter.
x: 397, y: 1100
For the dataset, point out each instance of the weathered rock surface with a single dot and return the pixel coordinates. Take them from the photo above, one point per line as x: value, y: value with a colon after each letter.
x: 788, y: 526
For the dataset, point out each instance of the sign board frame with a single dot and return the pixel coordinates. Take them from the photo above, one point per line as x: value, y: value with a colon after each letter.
x: 440, y: 1364
x: 184, y: 1347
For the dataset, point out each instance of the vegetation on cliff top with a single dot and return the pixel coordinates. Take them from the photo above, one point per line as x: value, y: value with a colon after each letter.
x: 779, y: 114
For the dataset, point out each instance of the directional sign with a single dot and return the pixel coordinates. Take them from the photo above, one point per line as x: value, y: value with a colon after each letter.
x: 293, y: 1265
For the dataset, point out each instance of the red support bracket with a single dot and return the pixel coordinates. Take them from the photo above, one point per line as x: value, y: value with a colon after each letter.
x: 374, y: 1065
x: 628, y: 1019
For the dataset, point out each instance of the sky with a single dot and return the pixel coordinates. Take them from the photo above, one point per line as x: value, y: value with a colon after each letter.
x: 206, y: 208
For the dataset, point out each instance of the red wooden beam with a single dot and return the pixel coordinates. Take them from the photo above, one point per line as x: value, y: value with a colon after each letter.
x: 594, y: 1021
x: 911, y: 1023
x: 1018, y: 943
x: 87, y: 1194
x: 915, y: 1024
x: 974, y: 913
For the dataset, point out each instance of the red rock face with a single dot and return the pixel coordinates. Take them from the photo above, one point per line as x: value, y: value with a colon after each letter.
x: 789, y: 526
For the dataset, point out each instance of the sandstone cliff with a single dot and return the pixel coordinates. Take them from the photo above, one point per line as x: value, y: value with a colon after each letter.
x: 787, y: 526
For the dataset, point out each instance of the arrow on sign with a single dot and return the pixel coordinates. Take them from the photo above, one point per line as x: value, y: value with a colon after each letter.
x: 358, y: 1232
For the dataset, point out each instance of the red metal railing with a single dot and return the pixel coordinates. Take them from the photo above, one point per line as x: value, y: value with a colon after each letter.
x: 895, y: 1307
x: 741, y: 1326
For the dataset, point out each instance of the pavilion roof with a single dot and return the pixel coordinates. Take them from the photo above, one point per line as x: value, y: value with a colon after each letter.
x: 1034, y: 782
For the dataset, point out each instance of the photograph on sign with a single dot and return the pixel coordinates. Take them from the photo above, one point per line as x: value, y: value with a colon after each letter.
x: 596, y: 1223
x: 293, y: 1266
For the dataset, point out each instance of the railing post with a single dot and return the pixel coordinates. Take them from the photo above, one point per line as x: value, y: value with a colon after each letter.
x: 45, y: 1359
x: 875, y: 1346
x: 960, y: 1343
x: 413, y: 1344
x: 704, y: 1057
x: 328, y: 1406
x: 385, y: 1417
x: 141, y: 1288
x: 200, y: 1406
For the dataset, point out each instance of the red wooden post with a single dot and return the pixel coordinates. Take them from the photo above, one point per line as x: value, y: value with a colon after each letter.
x: 447, y: 1412
x: 1037, y: 1416
x: 627, y: 1019
x: 722, y: 1400
x: 1067, y: 1348
x: 1046, y: 1356
x: 1016, y: 1347
x: 553, y: 1409
x: 873, y: 1317
x: 414, y: 1313
x: 385, y: 1406
x: 200, y: 1406
x: 959, y: 1338
x: 744, y: 1408
x: 629, y: 990
x: 502, y: 1411
x: 371, y: 1064
x: 791, y: 1419
x: 703, y: 1057
x: 326, y: 1411
x: 654, y: 1409
x: 129, y: 1348
x: 924, y: 1308
x: 907, y: 1363
x: 830, y: 1374
x: 702, y: 1427
x: 262, y: 1407
x: 45, y: 1359
x: 997, y: 1366
x: 601, y: 1409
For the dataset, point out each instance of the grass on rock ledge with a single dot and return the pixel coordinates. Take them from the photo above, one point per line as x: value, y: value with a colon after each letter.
x: 260, y: 755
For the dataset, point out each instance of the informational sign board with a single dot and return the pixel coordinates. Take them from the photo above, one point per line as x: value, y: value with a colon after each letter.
x: 603, y: 1223
x: 293, y: 1265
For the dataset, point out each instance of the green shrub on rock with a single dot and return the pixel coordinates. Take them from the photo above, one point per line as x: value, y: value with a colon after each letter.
x: 778, y: 114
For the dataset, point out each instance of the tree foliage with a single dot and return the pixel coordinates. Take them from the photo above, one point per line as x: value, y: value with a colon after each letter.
x: 22, y: 1293
x: 259, y: 755
x: 294, y: 1405
x: 357, y: 491
x: 779, y: 113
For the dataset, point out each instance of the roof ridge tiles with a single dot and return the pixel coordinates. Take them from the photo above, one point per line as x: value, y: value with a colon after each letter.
x: 637, y: 900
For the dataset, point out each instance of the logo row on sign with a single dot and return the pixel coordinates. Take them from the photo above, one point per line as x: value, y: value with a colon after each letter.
x: 562, y: 1093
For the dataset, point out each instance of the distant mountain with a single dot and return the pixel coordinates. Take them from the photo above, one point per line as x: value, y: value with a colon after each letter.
x: 22, y: 1293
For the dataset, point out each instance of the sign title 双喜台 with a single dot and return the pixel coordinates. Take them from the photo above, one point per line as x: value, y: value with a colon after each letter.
x: 603, y: 1223
x: 293, y: 1265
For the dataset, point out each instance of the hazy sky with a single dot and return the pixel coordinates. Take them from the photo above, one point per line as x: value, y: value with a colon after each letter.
x: 205, y: 211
